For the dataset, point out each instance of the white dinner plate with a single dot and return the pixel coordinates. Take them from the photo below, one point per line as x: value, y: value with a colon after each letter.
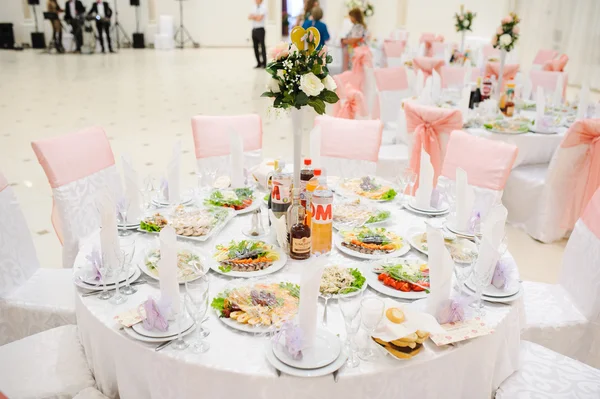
x: 171, y: 332
x: 508, y: 299
x: 326, y: 350
x: 462, y: 241
x: 551, y: 130
x: 284, y: 368
x: 451, y: 228
x: 399, y: 252
x: 185, y: 200
x: 128, y: 227
x: 111, y: 280
x: 378, y: 286
x: 443, y: 209
x: 276, y: 266
x: 137, y: 273
x: 129, y: 331
x: 494, y: 292
x: 424, y: 213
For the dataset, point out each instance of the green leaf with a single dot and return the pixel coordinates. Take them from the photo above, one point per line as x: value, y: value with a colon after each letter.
x: 329, y: 59
x: 269, y: 94
x: 225, y: 269
x: 329, y: 96
x: 317, y: 104
x: 316, y: 69
x: 277, y: 102
x: 218, y: 303
x: 301, y: 99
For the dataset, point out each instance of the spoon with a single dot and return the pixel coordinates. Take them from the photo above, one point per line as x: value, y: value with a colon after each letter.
x: 326, y: 297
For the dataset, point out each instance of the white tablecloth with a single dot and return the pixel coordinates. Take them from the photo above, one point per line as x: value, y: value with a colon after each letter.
x: 236, y: 366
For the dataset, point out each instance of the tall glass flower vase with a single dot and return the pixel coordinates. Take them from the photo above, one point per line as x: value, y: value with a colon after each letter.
x: 302, y: 120
x: 462, y: 42
x: 501, y: 72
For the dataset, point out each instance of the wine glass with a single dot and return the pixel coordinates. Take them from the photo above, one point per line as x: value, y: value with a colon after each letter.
x: 350, y: 306
x: 462, y: 270
x: 104, y: 269
x: 128, y: 247
x: 411, y: 179
x: 179, y: 344
x: 371, y: 311
x: 120, y: 259
x: 122, y: 209
x: 196, y: 293
x: 148, y: 192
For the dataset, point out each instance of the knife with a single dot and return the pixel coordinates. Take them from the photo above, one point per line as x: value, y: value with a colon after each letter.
x: 86, y: 294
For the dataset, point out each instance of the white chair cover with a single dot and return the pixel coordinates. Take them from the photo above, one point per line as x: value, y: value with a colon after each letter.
x: 548, y: 375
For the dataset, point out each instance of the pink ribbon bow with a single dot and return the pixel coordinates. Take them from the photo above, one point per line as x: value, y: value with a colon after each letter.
x: 509, y: 73
x: 354, y: 104
x: 586, y: 132
x: 428, y: 123
x: 429, y: 38
x: 557, y: 65
x: 428, y: 65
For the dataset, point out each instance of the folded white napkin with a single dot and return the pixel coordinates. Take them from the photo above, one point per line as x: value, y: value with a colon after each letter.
x: 527, y: 88
x: 169, y: 286
x: 310, y: 282
x: 486, y: 261
x: 236, y: 158
x: 465, y: 198
x: 132, y: 190
x: 584, y: 96
x: 279, y: 230
x: 423, y: 194
x: 109, y: 241
x: 419, y: 83
x: 436, y: 85
x: 540, y: 106
x: 493, y: 226
x: 558, y: 91
x: 173, y: 175
x: 315, y: 146
x: 441, y: 267
x: 465, y: 97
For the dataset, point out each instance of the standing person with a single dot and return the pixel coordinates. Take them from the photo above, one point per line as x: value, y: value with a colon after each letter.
x: 258, y: 16
x: 317, y: 15
x: 103, y: 13
x: 308, y: 8
x: 53, y: 7
x: 356, y: 36
x: 74, y: 11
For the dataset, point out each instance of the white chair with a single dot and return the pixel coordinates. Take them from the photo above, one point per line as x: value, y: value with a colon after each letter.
x: 565, y: 317
x: 51, y: 364
x: 32, y: 299
x: 211, y: 140
x: 545, y: 374
x: 80, y: 167
x: 546, y: 200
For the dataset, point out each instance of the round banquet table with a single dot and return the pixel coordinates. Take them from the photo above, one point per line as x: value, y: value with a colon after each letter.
x: 235, y: 366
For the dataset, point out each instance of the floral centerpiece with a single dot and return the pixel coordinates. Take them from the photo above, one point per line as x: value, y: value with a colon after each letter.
x: 300, y: 79
x: 365, y: 6
x: 463, y: 22
x: 507, y: 34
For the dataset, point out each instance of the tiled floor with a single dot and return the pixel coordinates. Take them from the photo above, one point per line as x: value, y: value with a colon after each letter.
x: 144, y: 100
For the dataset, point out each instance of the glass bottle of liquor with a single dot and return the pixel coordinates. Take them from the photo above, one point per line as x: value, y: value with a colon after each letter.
x: 299, y: 233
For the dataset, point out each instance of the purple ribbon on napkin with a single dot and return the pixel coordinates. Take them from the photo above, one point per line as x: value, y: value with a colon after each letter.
x: 502, y: 274
x: 155, y: 315
x: 95, y: 260
x: 293, y: 339
x: 475, y: 222
x: 453, y: 310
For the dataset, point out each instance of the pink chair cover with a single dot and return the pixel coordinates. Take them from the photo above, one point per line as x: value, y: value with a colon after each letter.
x: 353, y: 105
x: 394, y: 48
x: 361, y: 58
x: 489, y: 51
x: 211, y: 133
x: 591, y: 215
x: 455, y: 75
x: 586, y: 132
x: 428, y: 123
x: 428, y: 65
x: 509, y: 73
x: 72, y: 157
x: 350, y: 139
x: 557, y: 65
x: 391, y: 79
x: 487, y: 162
x: 544, y: 55
x: 547, y: 79
x: 3, y: 182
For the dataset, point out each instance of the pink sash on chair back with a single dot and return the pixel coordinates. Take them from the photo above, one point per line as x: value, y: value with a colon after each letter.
x: 71, y: 157
x: 591, y: 214
x: 428, y: 39
x: 557, y: 65
x: 487, y: 162
x: 394, y: 48
x: 361, y: 58
x: 350, y: 139
x: 353, y: 104
x: 454, y: 76
x: 428, y: 65
x: 544, y: 55
x: 428, y: 123
x: 586, y: 132
x: 211, y: 133
x: 509, y: 73
x: 547, y: 79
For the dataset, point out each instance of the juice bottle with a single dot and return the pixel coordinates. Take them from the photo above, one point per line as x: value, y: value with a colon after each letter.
x: 322, y: 217
x: 310, y: 188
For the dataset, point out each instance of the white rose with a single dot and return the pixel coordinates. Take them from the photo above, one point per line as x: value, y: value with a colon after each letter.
x: 329, y: 83
x: 311, y: 85
x: 466, y: 23
x: 273, y: 86
x: 505, y: 40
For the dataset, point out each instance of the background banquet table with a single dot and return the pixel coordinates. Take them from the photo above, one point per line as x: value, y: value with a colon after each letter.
x: 236, y: 366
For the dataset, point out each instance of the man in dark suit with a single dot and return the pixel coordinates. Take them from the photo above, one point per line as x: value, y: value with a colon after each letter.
x: 103, y: 13
x: 74, y: 12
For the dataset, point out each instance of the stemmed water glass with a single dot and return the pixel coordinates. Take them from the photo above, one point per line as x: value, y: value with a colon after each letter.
x: 128, y: 247
x: 121, y: 259
x: 179, y: 344
x: 371, y: 311
x: 196, y: 293
x: 104, y: 268
x: 407, y: 180
x: 122, y: 210
x: 350, y: 304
